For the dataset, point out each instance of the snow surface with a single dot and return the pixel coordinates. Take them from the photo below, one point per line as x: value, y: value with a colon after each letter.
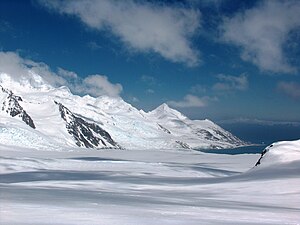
x: 84, y: 186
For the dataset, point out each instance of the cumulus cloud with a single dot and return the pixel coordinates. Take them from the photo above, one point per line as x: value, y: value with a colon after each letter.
x: 25, y: 70
x: 231, y: 83
x: 67, y: 74
x: 141, y: 26
x: 291, y: 89
x: 262, y: 32
x: 38, y: 74
x: 190, y: 101
x: 100, y: 85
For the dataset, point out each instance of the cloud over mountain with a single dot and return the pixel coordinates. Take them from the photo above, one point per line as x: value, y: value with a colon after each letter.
x: 39, y: 74
x: 190, y: 101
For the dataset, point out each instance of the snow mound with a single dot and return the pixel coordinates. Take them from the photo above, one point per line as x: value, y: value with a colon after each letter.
x: 282, y: 152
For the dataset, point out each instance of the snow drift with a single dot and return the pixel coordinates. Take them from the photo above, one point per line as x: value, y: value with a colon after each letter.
x: 165, y: 187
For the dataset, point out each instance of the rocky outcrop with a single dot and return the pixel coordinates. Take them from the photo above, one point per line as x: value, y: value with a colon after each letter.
x: 86, y: 134
x: 263, y: 154
x: 12, y: 107
x: 164, y: 129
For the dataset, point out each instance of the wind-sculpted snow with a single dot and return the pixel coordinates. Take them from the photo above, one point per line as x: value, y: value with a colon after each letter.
x: 148, y: 187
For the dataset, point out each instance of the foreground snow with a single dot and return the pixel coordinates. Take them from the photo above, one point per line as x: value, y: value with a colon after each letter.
x: 149, y: 187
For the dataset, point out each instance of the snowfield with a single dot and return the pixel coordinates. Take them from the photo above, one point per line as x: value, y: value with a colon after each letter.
x: 84, y: 186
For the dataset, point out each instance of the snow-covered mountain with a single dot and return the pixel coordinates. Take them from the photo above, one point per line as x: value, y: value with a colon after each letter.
x: 34, y: 108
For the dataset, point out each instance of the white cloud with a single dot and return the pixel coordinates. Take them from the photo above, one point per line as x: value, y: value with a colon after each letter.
x: 190, y: 101
x: 141, y: 26
x: 24, y: 71
x: 66, y: 74
x: 100, y: 85
x: 94, y: 85
x: 291, y: 89
x: 262, y: 32
x: 231, y: 83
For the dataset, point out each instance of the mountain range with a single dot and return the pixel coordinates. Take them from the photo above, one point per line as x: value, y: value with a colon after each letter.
x: 36, y: 114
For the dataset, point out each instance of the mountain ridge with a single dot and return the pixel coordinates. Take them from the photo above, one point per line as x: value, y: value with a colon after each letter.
x: 123, y: 125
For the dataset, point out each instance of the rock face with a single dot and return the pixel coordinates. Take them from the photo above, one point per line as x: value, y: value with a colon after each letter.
x: 12, y: 107
x: 86, y: 134
x: 263, y: 154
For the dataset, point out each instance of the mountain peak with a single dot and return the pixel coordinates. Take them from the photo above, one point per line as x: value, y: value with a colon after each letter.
x: 164, y: 110
x: 164, y: 107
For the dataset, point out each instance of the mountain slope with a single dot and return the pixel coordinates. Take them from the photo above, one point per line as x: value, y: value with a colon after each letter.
x: 86, y: 134
x: 191, y: 131
x: 11, y: 105
x: 107, y: 122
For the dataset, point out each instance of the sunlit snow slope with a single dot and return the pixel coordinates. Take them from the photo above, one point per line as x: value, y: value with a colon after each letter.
x: 278, y: 153
x: 149, y: 187
x: 65, y: 119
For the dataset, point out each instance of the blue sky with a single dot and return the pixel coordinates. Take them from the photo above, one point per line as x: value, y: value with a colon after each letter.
x: 216, y: 59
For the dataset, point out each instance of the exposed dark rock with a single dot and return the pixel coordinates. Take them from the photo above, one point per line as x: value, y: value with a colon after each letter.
x: 226, y: 136
x: 183, y: 145
x: 164, y: 129
x: 263, y: 154
x: 13, y: 108
x: 206, y: 134
x: 86, y: 134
